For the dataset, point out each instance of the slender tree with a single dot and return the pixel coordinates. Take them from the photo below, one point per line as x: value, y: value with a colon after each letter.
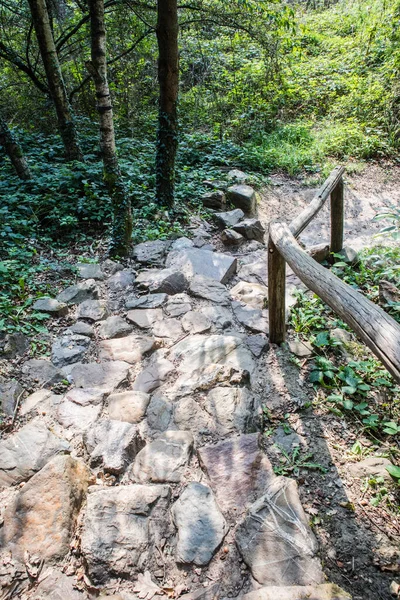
x: 58, y: 92
x: 13, y: 150
x: 97, y: 67
x: 168, y: 78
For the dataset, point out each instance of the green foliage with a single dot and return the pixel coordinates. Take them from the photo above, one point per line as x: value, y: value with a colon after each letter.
x: 291, y: 464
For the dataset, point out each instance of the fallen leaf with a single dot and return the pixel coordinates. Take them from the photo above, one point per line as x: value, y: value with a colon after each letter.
x: 145, y: 586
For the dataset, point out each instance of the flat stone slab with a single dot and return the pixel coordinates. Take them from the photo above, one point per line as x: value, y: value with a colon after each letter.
x: 106, y: 376
x: 81, y: 328
x: 121, y: 281
x: 251, y: 229
x: 148, y: 301
x: 116, y: 538
x: 112, y: 445
x: 221, y: 317
x: 258, y: 344
x: 195, y: 322
x: 300, y: 349
x: 229, y: 218
x: 79, y: 409
x: 90, y: 271
x: 238, y: 471
x: 256, y: 272
x: 276, y: 541
x: 231, y: 409
x: 178, y: 305
x: 215, y: 200
x: 153, y: 375
x: 54, y: 585
x: 167, y: 281
x: 128, y: 406
x: 325, y: 591
x: 51, y: 306
x: 206, y: 377
x: 195, y: 261
x: 151, y: 253
x: 42, y: 517
x: 130, y: 349
x: 34, y: 401
x: 253, y: 318
x: 75, y: 294
x: 114, y: 327
x: 254, y: 294
x: 164, y: 459
x: 68, y: 349
x: 159, y: 412
x: 201, y: 526
x: 27, y: 451
x: 372, y: 466
x: 10, y: 391
x: 144, y: 317
x: 168, y: 328
x: 94, y: 310
x: 209, y: 289
x: 231, y: 238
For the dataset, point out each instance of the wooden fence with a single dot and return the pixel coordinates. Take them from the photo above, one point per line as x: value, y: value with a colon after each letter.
x: 379, y: 331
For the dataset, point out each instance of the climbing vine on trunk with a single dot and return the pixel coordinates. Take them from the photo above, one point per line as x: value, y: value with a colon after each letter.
x: 13, y: 151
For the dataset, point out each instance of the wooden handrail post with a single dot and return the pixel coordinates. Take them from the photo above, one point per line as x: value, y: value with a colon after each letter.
x: 276, y: 294
x: 337, y: 217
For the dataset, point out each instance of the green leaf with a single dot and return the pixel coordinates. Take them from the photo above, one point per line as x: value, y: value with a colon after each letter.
x: 322, y: 339
x: 348, y: 404
x: 316, y: 376
x: 393, y: 471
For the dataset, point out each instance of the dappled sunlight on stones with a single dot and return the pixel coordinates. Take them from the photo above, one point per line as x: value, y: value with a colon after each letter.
x: 196, y: 261
x: 106, y: 376
x: 130, y: 349
x: 128, y: 406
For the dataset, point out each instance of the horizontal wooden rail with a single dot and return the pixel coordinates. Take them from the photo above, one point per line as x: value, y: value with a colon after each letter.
x: 374, y: 326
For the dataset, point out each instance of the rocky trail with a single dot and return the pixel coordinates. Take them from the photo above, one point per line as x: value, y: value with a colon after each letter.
x: 134, y: 464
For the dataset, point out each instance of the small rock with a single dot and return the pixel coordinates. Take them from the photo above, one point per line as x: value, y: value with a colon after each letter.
x: 195, y: 322
x: 149, y: 301
x: 242, y: 196
x: 130, y: 349
x: 10, y: 391
x: 80, y: 409
x: 54, y: 585
x: 231, y: 238
x: 254, y: 294
x: 121, y: 280
x: 164, y: 459
x: 159, y: 413
x: 226, y: 220
x: 94, y: 310
x: 256, y: 272
x: 13, y: 344
x: 231, y: 409
x: 237, y: 175
x: 300, y: 349
x: 350, y: 255
x: 43, y: 515
x: 220, y: 317
x: 51, y: 306
x: 388, y: 293
x: 251, y: 229
x: 253, y: 318
x: 34, y: 401
x: 196, y: 261
x: 257, y: 344
x: 128, y: 406
x: 112, y: 445
x: 319, y: 252
x: 168, y: 281
x: 114, y: 327
x: 151, y: 253
x: 201, y: 526
x: 90, y: 271
x: 110, y: 267
x: 145, y: 317
x: 27, y: 451
x: 168, y: 328
x: 206, y: 377
x: 75, y: 294
x: 215, y: 200
x: 205, y: 287
x: 181, y: 243
x: 178, y: 305
x: 68, y: 349
x: 341, y: 335
x: 372, y: 466
x: 42, y: 371
x: 285, y: 440
x: 153, y: 375
x: 81, y: 328
x: 106, y: 376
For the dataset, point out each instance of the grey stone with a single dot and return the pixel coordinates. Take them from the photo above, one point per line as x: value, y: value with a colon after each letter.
x: 94, y: 310
x: 144, y: 317
x: 131, y: 349
x: 159, y: 413
x: 221, y: 317
x: 189, y: 415
x: 238, y: 175
x: 285, y: 440
x: 255, y: 272
x: 350, y: 255
x: 208, y: 593
x: 121, y: 280
x: 148, y: 301
x: 114, y: 327
x: 110, y: 267
x: 75, y: 294
x: 300, y: 349
x: 54, y: 585
x: 164, y: 459
x: 253, y: 318
x: 80, y: 409
x: 251, y: 229
x: 10, y: 391
x: 168, y: 328
x: 276, y: 541
x: 106, y: 376
x: 231, y: 238
x: 51, y: 306
x: 201, y: 526
x: 319, y: 252
x: 168, y: 281
x: 242, y: 196
x: 34, y: 401
x: 215, y: 200
x: 231, y: 409
x: 151, y: 253
x: 372, y: 466
x: 209, y: 289
x: 68, y: 349
x: 238, y: 471
x: 181, y: 243
x: 112, y: 445
x: 13, y: 344
x: 341, y: 335
x: 128, y: 406
x: 251, y: 293
x: 90, y: 271
x: 195, y: 322
x: 117, y: 532
x: 178, y: 305
x: 201, y: 241
x: 324, y: 591
x: 153, y: 375
x: 206, y: 377
x: 42, y: 517
x: 195, y: 261
x: 257, y: 344
x: 227, y: 219
x: 42, y: 372
x: 81, y: 328
x: 27, y: 451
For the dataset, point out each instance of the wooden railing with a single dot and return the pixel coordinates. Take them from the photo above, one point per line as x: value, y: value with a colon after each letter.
x: 373, y: 325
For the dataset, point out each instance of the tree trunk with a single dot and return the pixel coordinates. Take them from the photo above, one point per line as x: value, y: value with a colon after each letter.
x: 41, y: 22
x: 168, y: 78
x: 13, y: 151
x: 121, y: 206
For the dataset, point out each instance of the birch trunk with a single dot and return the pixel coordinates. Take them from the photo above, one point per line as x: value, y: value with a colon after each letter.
x: 97, y: 67
x: 42, y: 25
x: 13, y: 151
x: 168, y: 78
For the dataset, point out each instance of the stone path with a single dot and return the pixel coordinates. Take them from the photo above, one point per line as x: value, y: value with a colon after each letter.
x: 146, y: 476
